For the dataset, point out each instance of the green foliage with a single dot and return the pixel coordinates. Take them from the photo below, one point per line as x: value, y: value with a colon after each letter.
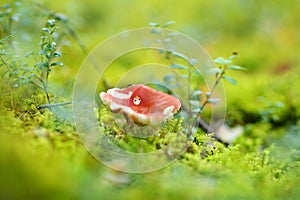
x: 22, y: 72
x: 42, y: 157
x: 187, y: 68
x: 127, y: 138
x: 207, y: 170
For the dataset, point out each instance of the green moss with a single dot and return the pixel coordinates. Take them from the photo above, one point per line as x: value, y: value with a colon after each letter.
x: 42, y: 157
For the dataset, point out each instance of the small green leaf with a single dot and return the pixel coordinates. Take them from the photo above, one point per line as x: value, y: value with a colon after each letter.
x: 153, y: 24
x: 162, y: 51
x: 222, y: 61
x: 41, y: 65
x: 213, y: 101
x: 196, y: 71
x: 57, y: 64
x: 176, y: 85
x: 194, y: 103
x: 51, y: 22
x: 47, y: 30
x: 172, y: 34
x: 60, y: 17
x: 28, y: 69
x: 193, y: 61
x: 184, y: 76
x: 167, y: 40
x: 215, y: 71
x: 236, y: 67
x: 42, y: 52
x: 3, y: 52
x: 155, y: 31
x: 45, y: 64
x: 230, y: 79
x: 167, y: 24
x: 30, y: 76
x: 207, y: 94
x: 169, y: 77
x: 232, y: 57
x: 25, y: 80
x: 16, y: 83
x: 179, y: 55
x: 28, y: 54
x: 178, y: 66
x: 49, y: 47
x: 5, y: 39
x: 56, y: 54
x: 196, y: 110
x: 197, y: 92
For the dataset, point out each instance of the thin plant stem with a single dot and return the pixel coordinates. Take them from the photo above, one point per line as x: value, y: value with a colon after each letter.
x: 53, y: 105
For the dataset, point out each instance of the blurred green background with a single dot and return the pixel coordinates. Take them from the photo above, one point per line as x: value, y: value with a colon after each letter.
x: 42, y: 157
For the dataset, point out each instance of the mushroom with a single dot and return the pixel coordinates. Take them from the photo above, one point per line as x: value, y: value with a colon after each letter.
x: 141, y: 103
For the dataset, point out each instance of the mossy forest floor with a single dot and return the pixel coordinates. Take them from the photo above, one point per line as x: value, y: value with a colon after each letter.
x: 42, y: 156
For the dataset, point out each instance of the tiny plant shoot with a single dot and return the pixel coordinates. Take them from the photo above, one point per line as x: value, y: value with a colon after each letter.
x: 186, y: 67
x: 36, y: 66
x: 20, y: 69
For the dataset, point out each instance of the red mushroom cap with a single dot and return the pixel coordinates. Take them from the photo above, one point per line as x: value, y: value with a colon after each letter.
x: 141, y: 103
